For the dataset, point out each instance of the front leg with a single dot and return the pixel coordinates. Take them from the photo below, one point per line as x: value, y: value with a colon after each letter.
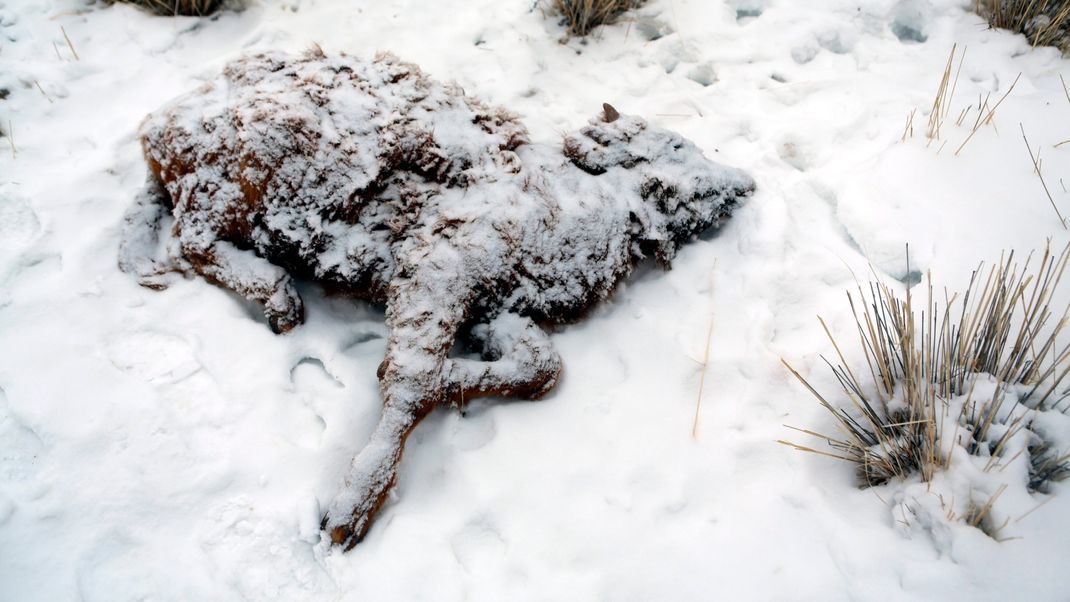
x: 519, y: 361
x: 252, y: 277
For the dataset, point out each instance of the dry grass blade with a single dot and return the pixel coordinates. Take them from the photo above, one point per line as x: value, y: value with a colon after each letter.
x: 11, y: 140
x: 977, y: 517
x: 1034, y: 509
x: 583, y: 16
x: 69, y: 43
x: 939, y: 110
x: 908, y: 130
x: 47, y: 97
x: 955, y: 85
x: 1036, y: 166
x: 811, y: 450
x: 705, y: 362
x: 987, y: 116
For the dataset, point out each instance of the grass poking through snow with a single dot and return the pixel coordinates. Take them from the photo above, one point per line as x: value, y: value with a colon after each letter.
x: 1040, y: 174
x: 949, y: 374
x: 583, y: 16
x: 1043, y: 22
x: 705, y: 361
x: 941, y: 107
x: 189, y: 8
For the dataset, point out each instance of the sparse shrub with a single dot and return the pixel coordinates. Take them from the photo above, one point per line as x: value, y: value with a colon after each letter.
x: 189, y: 8
x: 1044, y: 22
x: 978, y: 373
x: 582, y: 16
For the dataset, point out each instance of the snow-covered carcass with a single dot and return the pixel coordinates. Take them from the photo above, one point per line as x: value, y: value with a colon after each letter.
x: 368, y: 175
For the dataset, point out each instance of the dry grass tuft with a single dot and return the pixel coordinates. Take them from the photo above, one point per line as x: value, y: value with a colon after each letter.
x: 169, y: 8
x: 970, y: 373
x: 1043, y: 22
x: 940, y: 112
x: 582, y: 16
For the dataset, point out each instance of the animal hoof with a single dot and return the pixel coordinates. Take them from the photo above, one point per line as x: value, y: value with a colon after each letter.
x: 340, y: 535
x: 280, y: 324
x: 346, y: 535
x: 284, y: 308
x: 286, y: 321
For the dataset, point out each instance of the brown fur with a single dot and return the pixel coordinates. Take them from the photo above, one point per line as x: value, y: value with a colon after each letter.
x: 370, y: 177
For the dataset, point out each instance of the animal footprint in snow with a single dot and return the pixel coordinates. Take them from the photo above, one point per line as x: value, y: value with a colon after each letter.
x: 157, y: 357
x: 167, y: 362
x: 702, y: 74
x: 18, y: 222
x: 479, y: 545
x: 311, y: 374
x: 21, y: 444
x: 748, y: 10
x: 795, y: 153
x: 266, y: 556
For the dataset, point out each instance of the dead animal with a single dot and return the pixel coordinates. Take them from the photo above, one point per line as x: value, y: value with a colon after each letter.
x: 371, y: 177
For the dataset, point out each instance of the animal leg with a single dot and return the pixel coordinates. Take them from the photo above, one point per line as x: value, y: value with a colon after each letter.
x: 139, y: 239
x: 252, y: 277
x: 372, y: 474
x: 424, y: 312
x: 519, y: 361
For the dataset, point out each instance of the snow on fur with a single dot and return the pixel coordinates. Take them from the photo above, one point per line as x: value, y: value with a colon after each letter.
x: 370, y: 176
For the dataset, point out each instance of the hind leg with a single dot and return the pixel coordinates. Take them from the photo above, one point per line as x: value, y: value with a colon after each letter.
x: 416, y: 376
x: 427, y: 303
x: 519, y: 361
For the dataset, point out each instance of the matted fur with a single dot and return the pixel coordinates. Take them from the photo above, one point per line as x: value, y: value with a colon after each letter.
x: 370, y: 176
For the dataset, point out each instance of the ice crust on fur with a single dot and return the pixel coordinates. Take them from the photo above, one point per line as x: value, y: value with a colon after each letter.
x: 371, y: 176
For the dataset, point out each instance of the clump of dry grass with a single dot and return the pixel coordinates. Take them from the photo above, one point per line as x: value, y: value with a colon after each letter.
x: 1049, y: 466
x: 188, y: 8
x: 972, y: 372
x: 941, y: 109
x: 1043, y: 22
x: 582, y: 16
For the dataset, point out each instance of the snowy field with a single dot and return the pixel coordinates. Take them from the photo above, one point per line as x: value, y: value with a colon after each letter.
x: 167, y: 446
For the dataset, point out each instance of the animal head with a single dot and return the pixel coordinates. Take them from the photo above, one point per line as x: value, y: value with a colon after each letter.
x: 682, y: 192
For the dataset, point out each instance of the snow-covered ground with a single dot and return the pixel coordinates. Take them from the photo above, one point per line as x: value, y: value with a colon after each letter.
x: 168, y: 446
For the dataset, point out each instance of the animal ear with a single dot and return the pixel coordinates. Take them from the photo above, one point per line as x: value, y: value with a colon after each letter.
x: 609, y: 114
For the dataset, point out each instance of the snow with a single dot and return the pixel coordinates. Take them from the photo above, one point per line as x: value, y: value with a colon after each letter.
x: 166, y: 445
